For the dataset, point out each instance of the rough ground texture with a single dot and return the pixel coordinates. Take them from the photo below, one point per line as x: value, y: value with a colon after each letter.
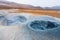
x: 14, y: 26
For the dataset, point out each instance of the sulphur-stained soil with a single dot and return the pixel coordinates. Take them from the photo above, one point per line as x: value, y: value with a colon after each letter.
x: 55, y: 13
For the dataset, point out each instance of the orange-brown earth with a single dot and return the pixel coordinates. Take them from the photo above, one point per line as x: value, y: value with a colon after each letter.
x: 54, y: 13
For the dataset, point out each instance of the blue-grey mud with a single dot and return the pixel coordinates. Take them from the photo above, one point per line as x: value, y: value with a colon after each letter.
x: 28, y: 27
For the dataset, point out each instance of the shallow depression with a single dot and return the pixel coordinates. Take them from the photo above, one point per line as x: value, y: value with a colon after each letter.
x: 42, y: 25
